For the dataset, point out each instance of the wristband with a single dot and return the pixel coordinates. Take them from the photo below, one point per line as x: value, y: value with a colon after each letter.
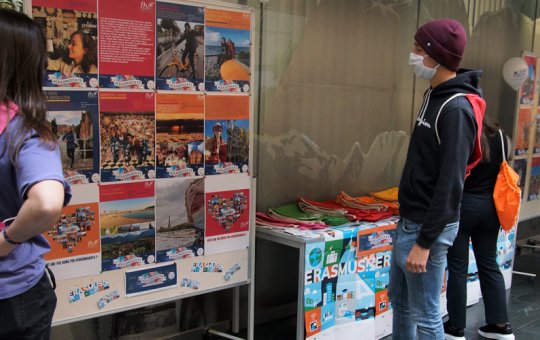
x: 10, y: 241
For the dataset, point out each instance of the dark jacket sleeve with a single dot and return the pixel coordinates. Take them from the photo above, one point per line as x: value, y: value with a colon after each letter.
x: 457, y: 131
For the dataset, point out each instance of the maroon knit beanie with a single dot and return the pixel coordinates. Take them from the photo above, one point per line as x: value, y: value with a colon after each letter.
x: 444, y: 40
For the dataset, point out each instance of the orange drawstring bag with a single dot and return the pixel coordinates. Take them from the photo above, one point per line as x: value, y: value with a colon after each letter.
x: 507, y: 194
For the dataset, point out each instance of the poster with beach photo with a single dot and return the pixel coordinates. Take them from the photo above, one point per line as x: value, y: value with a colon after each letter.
x: 226, y: 133
x: 179, y: 218
x: 227, y: 51
x: 70, y: 28
x: 534, y: 180
x: 74, y: 238
x: 127, y: 214
x: 523, y: 130
x: 126, y: 44
x: 127, y: 132
x: 73, y: 116
x: 179, y: 47
x: 226, y: 201
x: 180, y: 135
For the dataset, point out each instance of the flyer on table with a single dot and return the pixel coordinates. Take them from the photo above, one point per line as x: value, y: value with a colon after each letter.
x: 179, y: 218
x: 226, y: 131
x: 226, y: 202
x: 74, y: 238
x: 180, y: 135
x: 71, y: 31
x: 147, y: 280
x: 227, y: 51
x: 179, y: 47
x: 127, y: 132
x: 126, y: 48
x: 73, y: 116
x: 127, y: 214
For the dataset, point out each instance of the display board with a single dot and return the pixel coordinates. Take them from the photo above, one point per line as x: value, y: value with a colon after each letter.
x: 526, y: 138
x: 151, y: 104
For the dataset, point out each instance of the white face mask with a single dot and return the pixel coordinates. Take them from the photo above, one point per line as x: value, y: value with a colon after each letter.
x: 421, y: 70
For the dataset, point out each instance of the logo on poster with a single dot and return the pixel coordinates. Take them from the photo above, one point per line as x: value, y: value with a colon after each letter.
x: 147, y: 6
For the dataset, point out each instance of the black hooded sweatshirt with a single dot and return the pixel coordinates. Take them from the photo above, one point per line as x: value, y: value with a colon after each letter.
x: 432, y: 182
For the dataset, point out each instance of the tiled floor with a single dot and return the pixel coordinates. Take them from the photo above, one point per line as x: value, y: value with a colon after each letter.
x: 523, y: 307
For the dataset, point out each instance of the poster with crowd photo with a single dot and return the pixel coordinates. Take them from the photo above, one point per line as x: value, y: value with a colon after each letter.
x: 226, y: 202
x: 226, y: 136
x: 523, y: 130
x: 16, y: 5
x: 534, y: 180
x: 527, y: 91
x: 74, y: 238
x: 227, y: 51
x: 180, y: 135
x: 70, y: 28
x: 126, y: 48
x: 73, y: 116
x: 127, y: 132
x: 127, y: 215
x: 520, y: 166
x: 179, y: 47
x: 179, y: 218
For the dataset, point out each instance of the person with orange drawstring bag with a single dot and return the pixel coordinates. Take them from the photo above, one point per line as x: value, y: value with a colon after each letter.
x: 490, y: 200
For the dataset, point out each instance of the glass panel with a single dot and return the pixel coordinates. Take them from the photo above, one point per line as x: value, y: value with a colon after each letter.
x: 336, y: 89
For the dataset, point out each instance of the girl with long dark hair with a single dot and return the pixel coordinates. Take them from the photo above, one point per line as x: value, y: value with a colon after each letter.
x: 33, y: 186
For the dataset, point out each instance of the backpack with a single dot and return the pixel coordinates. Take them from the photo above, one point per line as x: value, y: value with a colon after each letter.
x: 507, y: 194
x: 479, y: 106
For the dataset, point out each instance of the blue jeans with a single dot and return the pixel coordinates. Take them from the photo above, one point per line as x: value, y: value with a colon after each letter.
x: 415, y: 297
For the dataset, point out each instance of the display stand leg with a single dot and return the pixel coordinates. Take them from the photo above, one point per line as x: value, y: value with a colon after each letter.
x: 300, y: 307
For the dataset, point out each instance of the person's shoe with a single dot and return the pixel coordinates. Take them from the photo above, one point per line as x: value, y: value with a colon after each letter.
x: 493, y: 331
x: 453, y: 333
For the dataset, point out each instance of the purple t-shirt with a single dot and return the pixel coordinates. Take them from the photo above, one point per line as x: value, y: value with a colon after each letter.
x: 36, y: 162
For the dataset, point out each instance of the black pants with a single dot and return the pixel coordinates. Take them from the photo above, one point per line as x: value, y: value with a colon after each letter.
x: 191, y: 56
x: 479, y: 222
x: 28, y: 315
x: 71, y: 155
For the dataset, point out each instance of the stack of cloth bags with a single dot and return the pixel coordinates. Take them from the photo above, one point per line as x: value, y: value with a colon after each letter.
x: 309, y: 214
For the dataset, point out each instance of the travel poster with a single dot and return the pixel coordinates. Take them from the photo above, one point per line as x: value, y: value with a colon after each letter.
x: 73, y: 116
x: 127, y: 131
x: 180, y: 135
x: 227, y: 213
x: 74, y: 238
x: 179, y: 47
x: 179, y: 218
x: 520, y: 166
x: 523, y: 130
x: 226, y: 131
x: 534, y: 181
x: 526, y: 94
x: 71, y: 32
x: 227, y: 51
x: 126, y: 48
x: 536, y: 146
x: 127, y: 214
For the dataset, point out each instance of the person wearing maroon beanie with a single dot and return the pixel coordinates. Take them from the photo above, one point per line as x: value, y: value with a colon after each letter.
x: 443, y: 148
